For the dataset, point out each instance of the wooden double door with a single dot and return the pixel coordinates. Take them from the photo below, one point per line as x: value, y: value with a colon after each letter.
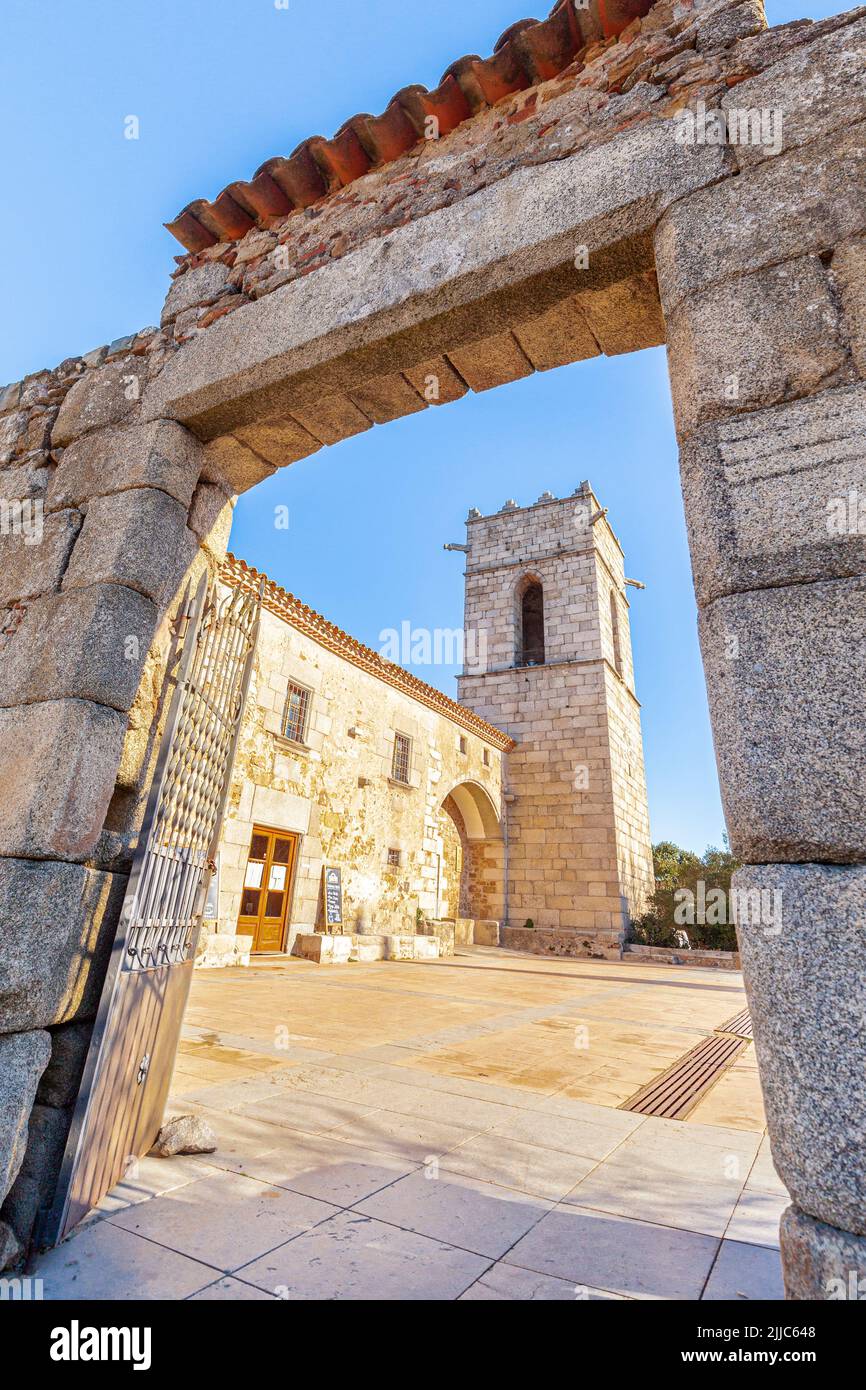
x: 267, y: 889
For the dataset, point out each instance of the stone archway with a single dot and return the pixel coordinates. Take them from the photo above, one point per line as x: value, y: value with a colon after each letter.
x: 550, y: 229
x: 472, y: 856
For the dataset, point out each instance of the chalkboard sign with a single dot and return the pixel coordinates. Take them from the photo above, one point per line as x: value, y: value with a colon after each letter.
x: 333, y: 891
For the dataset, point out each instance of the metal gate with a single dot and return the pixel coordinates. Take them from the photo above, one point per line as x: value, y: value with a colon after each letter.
x: 129, y: 1065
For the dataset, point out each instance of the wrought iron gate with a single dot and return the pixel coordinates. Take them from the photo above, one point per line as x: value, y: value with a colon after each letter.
x: 129, y: 1065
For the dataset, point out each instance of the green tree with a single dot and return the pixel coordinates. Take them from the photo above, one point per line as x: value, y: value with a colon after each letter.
x: 676, y: 868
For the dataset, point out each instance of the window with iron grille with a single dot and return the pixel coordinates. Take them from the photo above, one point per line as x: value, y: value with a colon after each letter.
x: 393, y: 859
x: 296, y: 713
x: 402, y: 758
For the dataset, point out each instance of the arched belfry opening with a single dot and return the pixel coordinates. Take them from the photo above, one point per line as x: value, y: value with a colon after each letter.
x: 530, y: 636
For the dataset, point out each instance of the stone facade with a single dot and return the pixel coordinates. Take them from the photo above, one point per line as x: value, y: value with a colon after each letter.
x: 579, y: 852
x: 564, y: 219
x: 334, y: 787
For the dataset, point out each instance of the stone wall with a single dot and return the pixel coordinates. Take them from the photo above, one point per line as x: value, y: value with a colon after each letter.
x: 105, y: 520
x: 579, y: 854
x: 461, y: 269
x: 335, y: 789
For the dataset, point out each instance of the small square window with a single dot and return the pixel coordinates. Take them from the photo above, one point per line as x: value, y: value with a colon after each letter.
x: 393, y: 859
x: 402, y: 759
x: 296, y: 714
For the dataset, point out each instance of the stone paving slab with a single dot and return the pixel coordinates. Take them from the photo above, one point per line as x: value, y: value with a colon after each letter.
x: 504, y: 1283
x: 477, y: 1216
x: 441, y: 1131
x: 107, y: 1262
x: 622, y: 1256
x: 224, y: 1220
x: 354, y: 1257
x: 745, y: 1272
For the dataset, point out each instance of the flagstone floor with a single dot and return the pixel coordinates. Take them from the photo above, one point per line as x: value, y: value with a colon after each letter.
x: 444, y: 1130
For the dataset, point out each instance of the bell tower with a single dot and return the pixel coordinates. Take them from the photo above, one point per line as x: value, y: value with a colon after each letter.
x: 547, y: 619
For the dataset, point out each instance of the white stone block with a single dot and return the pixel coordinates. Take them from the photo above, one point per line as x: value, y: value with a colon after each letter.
x: 324, y: 950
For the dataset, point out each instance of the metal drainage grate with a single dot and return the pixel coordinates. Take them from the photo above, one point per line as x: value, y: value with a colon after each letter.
x: 740, y: 1025
x: 677, y: 1091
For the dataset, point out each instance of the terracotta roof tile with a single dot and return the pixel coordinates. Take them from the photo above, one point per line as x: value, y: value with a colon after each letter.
x: 529, y: 52
x: 237, y: 574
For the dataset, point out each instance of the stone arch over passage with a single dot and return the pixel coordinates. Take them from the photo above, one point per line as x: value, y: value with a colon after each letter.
x: 473, y: 854
x: 554, y: 229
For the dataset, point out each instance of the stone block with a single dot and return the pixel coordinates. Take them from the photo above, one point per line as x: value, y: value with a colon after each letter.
x: 28, y: 478
x: 803, y: 947
x: 400, y: 947
x: 386, y: 398
x: 210, y: 519
x: 331, y: 419
x: 783, y: 669
x: 34, y: 1187
x: 204, y: 284
x: 437, y: 381
x: 324, y: 950
x: 849, y: 274
x: 13, y: 428
x: 23, y: 1058
x: 59, y: 923
x: 464, y: 931
x: 58, y: 762
x: 279, y: 442
x: 160, y: 454
x: 490, y: 362
x: 11, y: 1249
x: 138, y: 538
x: 818, y: 88
x: 486, y: 933
x: 557, y: 337
x: 526, y: 224
x: 367, y: 948
x: 723, y: 26
x: 804, y: 202
x: 69, y: 1046
x: 222, y: 950
x: 626, y: 315
x: 87, y: 644
x: 104, y: 396
x: 444, y: 933
x: 233, y: 466
x: 31, y: 567
x: 426, y: 948
x: 819, y: 1262
x: 778, y: 496
x: 755, y: 341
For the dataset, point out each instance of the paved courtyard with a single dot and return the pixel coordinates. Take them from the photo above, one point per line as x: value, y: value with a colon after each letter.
x: 445, y: 1130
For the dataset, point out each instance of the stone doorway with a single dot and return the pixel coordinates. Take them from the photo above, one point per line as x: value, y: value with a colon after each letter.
x: 573, y: 227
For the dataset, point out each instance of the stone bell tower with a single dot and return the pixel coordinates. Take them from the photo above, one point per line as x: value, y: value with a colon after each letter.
x: 547, y: 620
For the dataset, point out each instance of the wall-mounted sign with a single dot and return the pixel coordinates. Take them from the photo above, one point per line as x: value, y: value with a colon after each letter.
x: 332, y: 887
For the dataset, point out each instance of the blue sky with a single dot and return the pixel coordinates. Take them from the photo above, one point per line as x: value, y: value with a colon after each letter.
x: 219, y: 86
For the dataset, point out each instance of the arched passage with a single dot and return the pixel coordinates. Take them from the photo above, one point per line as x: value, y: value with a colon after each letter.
x: 472, y: 857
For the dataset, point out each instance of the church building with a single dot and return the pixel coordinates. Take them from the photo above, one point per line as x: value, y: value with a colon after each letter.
x: 366, y: 805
